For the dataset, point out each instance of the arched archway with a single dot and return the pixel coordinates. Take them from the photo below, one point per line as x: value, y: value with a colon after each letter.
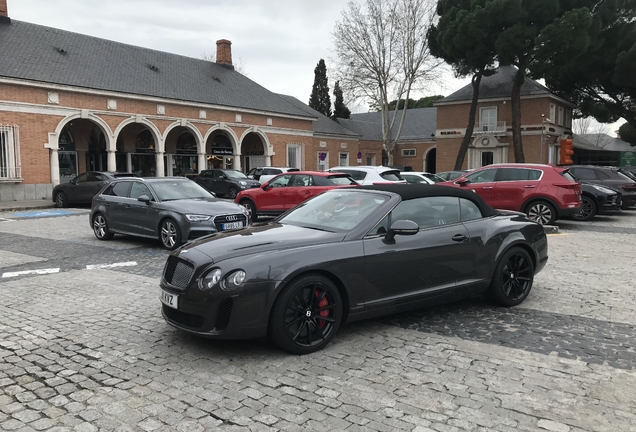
x: 182, y: 148
x: 430, y: 160
x: 253, y: 151
x: 81, y: 146
x: 219, y: 150
x: 140, y: 148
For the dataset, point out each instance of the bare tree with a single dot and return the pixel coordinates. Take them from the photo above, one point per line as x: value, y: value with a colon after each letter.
x: 383, y: 54
x: 593, y: 131
x: 239, y: 66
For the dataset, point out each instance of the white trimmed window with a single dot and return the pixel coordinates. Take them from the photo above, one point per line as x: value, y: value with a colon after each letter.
x: 488, y: 119
x: 10, y: 167
x: 568, y: 118
x: 560, y: 119
x: 552, y: 113
x: 370, y: 159
x: 408, y: 152
x: 294, y: 155
x: 323, y: 160
x: 343, y: 159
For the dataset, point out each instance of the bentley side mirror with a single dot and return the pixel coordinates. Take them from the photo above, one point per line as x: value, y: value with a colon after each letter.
x: 144, y: 198
x: 401, y: 227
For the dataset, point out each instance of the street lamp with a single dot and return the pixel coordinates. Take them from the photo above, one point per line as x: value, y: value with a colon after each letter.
x: 542, y: 137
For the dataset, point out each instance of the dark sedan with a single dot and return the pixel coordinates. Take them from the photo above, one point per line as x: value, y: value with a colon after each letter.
x: 350, y: 254
x: 225, y: 182
x: 597, y: 199
x: 172, y: 209
x: 83, y: 188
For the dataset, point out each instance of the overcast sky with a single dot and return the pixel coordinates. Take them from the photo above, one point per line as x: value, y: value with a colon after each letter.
x: 278, y: 42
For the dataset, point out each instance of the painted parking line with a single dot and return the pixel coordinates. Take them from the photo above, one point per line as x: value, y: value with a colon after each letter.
x: 45, y: 213
x: 6, y: 220
x: 105, y: 266
x: 27, y: 272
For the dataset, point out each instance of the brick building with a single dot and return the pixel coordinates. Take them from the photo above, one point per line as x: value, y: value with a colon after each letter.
x: 545, y: 118
x: 71, y: 103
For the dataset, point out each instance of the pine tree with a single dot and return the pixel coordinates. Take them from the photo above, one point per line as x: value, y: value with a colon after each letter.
x: 319, y: 99
x: 340, y: 110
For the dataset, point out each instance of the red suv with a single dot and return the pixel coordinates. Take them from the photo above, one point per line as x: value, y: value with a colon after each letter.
x: 545, y: 193
x: 288, y: 190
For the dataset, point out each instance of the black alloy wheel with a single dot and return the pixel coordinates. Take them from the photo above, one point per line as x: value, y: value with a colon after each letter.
x: 306, y: 315
x: 513, y: 277
x: 588, y: 210
x: 60, y: 200
x: 170, y: 234
x: 100, y: 227
x: 251, y: 208
x: 542, y: 212
x: 232, y: 192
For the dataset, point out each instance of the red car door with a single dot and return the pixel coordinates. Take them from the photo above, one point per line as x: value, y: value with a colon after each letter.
x: 301, y: 188
x: 273, y: 197
x: 481, y: 181
x: 514, y: 186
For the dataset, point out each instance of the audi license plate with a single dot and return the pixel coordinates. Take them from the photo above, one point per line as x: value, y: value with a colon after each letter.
x: 231, y: 226
x: 169, y: 299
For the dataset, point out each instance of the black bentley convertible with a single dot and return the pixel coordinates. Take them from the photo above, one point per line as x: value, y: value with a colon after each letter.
x: 346, y: 255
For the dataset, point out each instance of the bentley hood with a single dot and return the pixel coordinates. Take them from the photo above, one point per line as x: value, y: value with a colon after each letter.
x: 261, y: 238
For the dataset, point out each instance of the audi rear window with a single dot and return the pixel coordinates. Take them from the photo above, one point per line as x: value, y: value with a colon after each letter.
x: 391, y: 176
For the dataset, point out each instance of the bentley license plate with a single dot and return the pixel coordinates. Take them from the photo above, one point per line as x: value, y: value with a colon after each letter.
x: 169, y: 299
x: 232, y: 226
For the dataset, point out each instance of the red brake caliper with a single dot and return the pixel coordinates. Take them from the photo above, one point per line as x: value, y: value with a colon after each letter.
x: 323, y: 303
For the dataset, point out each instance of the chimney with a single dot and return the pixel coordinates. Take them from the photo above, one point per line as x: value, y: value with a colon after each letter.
x: 223, y: 51
x: 4, y: 12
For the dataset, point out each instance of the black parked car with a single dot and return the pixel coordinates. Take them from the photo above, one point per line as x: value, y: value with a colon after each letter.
x: 350, y: 254
x: 597, y: 199
x: 172, y: 209
x: 225, y: 182
x: 83, y: 188
x: 615, y: 178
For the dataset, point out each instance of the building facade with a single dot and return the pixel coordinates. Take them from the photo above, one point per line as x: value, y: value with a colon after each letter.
x: 545, y: 119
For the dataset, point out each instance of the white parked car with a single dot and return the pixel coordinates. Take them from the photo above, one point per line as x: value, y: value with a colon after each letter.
x: 265, y: 174
x: 368, y: 175
x: 421, y: 177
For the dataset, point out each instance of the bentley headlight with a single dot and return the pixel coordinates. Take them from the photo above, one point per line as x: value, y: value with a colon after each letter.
x: 210, y: 280
x: 197, y: 218
x: 234, y: 280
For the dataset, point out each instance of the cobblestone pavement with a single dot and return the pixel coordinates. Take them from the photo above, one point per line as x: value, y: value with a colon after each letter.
x: 86, y: 349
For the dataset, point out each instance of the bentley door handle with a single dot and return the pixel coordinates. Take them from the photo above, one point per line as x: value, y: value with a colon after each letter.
x: 459, y: 237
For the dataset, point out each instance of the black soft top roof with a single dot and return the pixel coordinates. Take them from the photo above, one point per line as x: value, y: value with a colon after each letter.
x: 410, y: 191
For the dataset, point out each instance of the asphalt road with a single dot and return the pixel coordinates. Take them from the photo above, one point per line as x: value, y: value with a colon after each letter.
x: 83, y: 347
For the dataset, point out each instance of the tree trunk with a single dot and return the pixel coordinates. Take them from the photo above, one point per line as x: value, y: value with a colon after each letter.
x: 463, y: 148
x: 388, y: 148
x: 516, y: 112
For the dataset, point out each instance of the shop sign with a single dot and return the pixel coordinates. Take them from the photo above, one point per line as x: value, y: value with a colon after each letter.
x: 222, y: 151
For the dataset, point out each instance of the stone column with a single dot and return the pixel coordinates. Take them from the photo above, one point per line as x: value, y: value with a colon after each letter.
x: 160, y: 165
x: 202, y: 162
x: 55, y: 168
x: 112, y: 161
x: 237, y: 162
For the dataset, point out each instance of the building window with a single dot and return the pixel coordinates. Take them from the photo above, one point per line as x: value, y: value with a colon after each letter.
x: 487, y: 158
x: 560, y: 119
x: 488, y: 121
x: 408, y: 152
x: 370, y: 159
x: 344, y: 159
x: 568, y: 118
x: 294, y: 155
x: 552, y: 113
x: 9, y: 153
x: 323, y: 161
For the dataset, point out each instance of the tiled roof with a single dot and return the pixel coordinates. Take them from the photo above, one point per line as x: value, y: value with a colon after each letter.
x: 420, y: 123
x: 322, y: 124
x: 43, y: 54
x: 498, y: 85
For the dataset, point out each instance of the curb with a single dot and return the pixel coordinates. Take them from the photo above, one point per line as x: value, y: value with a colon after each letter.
x: 551, y: 229
x: 24, y: 208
